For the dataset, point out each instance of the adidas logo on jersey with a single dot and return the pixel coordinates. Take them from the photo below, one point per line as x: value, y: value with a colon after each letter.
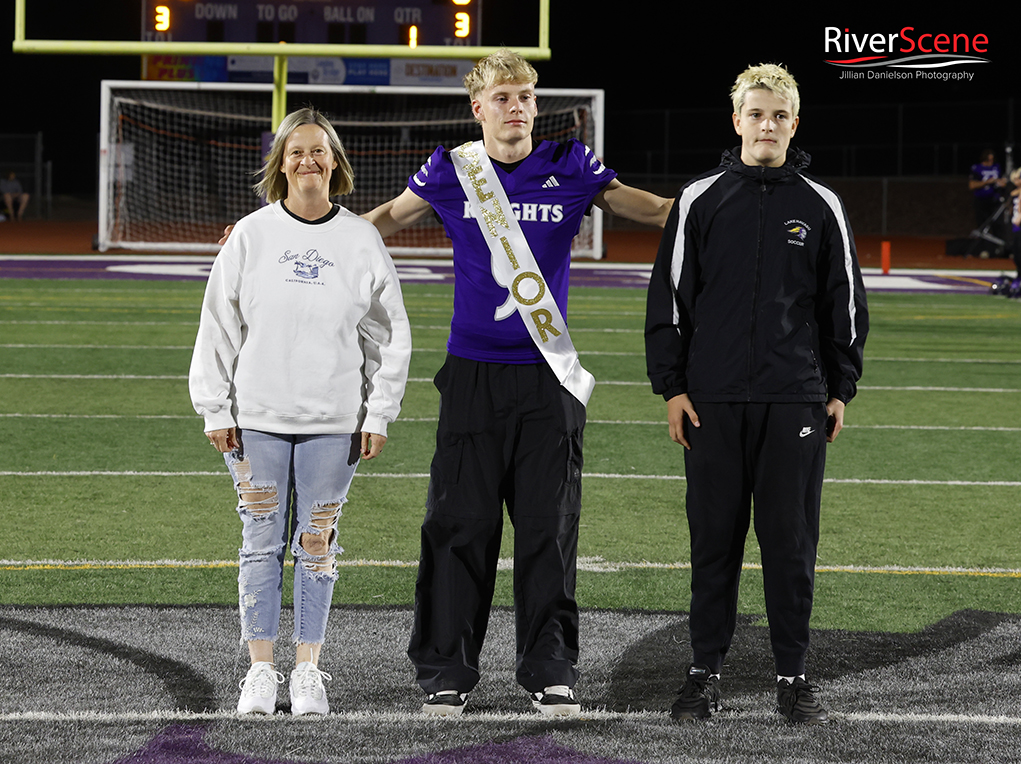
x: 551, y: 183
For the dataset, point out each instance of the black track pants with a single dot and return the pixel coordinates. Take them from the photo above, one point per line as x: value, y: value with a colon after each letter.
x: 774, y: 453
x: 508, y: 434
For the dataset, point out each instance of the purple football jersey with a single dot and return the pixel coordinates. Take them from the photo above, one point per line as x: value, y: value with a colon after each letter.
x: 985, y: 172
x: 549, y: 192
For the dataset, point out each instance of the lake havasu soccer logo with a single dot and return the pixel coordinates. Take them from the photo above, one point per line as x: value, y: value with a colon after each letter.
x: 910, y: 53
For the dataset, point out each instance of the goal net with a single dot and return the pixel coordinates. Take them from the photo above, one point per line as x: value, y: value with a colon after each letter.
x: 178, y: 160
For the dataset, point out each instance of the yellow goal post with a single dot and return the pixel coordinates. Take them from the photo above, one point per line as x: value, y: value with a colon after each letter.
x: 280, y: 51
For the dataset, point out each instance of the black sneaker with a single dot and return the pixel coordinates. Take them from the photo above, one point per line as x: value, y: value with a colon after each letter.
x: 445, y: 703
x: 699, y: 697
x: 798, y: 703
x: 557, y: 700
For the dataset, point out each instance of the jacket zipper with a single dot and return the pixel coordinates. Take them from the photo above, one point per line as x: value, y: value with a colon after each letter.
x: 758, y: 277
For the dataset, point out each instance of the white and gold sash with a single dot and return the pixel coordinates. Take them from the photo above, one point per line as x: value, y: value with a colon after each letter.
x: 515, y: 269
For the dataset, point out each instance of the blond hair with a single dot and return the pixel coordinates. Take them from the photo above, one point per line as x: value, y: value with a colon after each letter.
x: 498, y: 69
x: 273, y: 184
x: 771, y: 77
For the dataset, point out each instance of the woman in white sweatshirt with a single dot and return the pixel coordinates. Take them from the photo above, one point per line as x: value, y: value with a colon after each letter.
x: 299, y: 365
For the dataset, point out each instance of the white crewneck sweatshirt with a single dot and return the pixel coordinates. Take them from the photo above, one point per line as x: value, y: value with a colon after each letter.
x: 303, y: 329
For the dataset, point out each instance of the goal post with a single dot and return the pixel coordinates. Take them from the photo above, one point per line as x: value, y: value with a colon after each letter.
x: 178, y: 160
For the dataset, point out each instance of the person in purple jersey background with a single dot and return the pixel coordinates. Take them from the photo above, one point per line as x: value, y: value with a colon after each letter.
x: 986, y: 186
x: 1015, y: 219
x: 509, y: 433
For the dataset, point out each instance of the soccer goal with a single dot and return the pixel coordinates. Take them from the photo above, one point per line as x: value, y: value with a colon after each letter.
x: 177, y: 160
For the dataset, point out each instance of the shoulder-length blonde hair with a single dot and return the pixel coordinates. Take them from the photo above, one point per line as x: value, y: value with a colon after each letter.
x: 273, y: 184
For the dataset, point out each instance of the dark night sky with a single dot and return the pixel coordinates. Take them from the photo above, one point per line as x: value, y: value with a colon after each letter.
x: 649, y: 55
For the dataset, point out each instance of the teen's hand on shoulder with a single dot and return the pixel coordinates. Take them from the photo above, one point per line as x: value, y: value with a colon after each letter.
x: 226, y: 235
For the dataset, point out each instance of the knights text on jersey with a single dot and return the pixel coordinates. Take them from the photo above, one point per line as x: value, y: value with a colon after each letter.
x: 549, y: 192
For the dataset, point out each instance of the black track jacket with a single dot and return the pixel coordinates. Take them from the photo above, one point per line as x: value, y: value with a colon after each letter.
x: 756, y: 295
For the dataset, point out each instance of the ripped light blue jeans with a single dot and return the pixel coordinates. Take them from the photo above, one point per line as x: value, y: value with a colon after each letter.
x: 289, y: 485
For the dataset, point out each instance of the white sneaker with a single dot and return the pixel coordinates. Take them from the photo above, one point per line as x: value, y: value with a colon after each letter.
x: 557, y: 700
x: 308, y: 695
x: 259, y: 689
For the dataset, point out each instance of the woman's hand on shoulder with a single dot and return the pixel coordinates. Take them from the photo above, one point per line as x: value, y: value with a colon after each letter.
x: 372, y: 444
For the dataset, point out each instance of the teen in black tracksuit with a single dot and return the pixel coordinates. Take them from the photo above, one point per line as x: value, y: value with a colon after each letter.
x: 757, y: 312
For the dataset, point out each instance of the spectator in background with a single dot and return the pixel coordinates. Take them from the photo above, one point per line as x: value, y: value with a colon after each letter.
x: 15, y: 198
x: 1015, y: 218
x: 985, y: 183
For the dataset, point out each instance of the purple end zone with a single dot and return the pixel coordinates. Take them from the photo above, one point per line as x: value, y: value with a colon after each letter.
x: 184, y: 744
x: 105, y: 267
x: 583, y: 273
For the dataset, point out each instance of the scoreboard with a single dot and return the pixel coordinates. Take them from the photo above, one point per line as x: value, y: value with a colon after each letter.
x: 337, y: 22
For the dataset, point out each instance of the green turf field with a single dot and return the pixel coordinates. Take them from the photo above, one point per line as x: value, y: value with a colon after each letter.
x: 112, y: 500
x: 111, y: 493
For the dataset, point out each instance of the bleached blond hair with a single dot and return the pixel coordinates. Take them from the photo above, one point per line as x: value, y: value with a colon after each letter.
x: 771, y: 77
x: 498, y: 69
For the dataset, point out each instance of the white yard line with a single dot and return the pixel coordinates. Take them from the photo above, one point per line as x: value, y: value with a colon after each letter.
x: 939, y: 360
x: 93, y: 376
x: 442, y: 327
x: 129, y: 376
x: 102, y: 416
x: 20, y: 345
x: 897, y: 388
x: 927, y: 427
x: 397, y: 717
x: 101, y: 323
x: 877, y: 481
x: 609, y: 353
x: 586, y: 564
x: 610, y: 383
x: 948, y: 428
x: 629, y: 422
x: 423, y: 475
x: 924, y: 389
